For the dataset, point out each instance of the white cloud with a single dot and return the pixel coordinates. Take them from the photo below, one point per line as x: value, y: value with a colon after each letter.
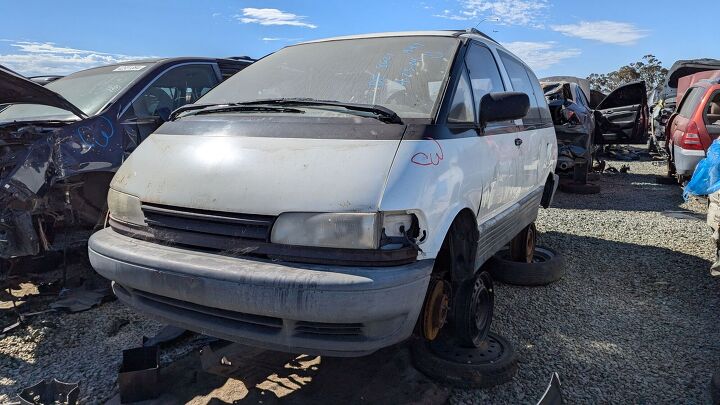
x: 272, y: 16
x: 541, y: 55
x: 46, y: 58
x: 610, y: 32
x: 506, y: 12
x: 271, y: 39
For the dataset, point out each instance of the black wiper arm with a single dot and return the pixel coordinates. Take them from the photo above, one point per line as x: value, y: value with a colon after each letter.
x: 385, y: 114
x: 202, y: 109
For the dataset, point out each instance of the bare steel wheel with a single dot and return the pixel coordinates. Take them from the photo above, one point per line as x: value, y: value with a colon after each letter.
x: 473, y: 311
x: 522, y: 247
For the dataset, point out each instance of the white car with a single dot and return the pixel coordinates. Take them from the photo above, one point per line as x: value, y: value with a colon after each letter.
x: 335, y: 194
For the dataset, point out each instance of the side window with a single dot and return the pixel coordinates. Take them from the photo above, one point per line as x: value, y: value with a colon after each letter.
x: 690, y: 102
x: 176, y: 87
x: 462, y: 109
x: 483, y: 72
x: 521, y: 82
x: 712, y: 111
x: 540, y: 99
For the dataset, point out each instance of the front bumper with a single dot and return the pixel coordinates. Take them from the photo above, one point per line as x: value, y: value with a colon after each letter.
x: 313, y: 309
x: 686, y: 160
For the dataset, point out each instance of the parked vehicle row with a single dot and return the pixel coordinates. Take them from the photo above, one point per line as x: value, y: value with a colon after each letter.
x: 336, y: 204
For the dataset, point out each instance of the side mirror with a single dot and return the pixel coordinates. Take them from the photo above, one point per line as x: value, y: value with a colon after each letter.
x: 503, y: 106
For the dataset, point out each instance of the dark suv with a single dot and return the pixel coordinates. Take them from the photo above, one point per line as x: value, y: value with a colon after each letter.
x: 61, y: 143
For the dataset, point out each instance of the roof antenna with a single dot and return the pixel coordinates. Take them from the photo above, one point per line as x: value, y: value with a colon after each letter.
x: 494, y: 19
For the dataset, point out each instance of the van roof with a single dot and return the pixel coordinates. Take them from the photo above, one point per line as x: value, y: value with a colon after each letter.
x: 471, y: 32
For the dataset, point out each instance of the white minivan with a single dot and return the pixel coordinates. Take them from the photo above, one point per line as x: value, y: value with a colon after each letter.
x: 336, y: 196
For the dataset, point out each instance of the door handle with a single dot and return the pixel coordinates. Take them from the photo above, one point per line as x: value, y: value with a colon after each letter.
x: 518, y: 141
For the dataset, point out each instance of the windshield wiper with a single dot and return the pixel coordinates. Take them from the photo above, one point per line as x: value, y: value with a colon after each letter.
x: 202, y: 109
x: 382, y: 113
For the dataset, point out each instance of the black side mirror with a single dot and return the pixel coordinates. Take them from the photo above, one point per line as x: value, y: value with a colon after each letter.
x: 503, y: 106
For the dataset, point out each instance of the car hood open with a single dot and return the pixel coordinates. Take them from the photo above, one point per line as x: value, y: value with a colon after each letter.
x: 15, y: 89
x: 263, y: 166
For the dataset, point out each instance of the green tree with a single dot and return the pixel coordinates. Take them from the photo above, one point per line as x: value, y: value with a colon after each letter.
x: 649, y: 69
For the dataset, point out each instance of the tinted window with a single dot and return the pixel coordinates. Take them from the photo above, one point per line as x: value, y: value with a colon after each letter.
x: 483, y: 71
x: 461, y: 109
x: 690, y: 102
x: 521, y: 82
x: 178, y: 86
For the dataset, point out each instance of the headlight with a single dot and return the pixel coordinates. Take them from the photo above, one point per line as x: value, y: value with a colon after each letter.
x: 125, y: 207
x: 340, y: 230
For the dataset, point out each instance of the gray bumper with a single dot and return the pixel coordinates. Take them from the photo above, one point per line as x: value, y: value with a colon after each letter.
x: 314, y: 309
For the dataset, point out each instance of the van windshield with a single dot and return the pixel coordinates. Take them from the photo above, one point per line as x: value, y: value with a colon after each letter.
x: 89, y: 90
x: 404, y: 74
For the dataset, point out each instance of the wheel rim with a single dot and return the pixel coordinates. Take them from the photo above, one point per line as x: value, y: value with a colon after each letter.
x: 483, y: 304
x: 530, y: 244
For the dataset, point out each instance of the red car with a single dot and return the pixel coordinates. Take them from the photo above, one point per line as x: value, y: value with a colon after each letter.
x: 693, y: 127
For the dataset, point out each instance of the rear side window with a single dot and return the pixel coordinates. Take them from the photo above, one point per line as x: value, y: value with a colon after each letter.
x: 521, y: 82
x: 690, y: 102
x: 483, y: 71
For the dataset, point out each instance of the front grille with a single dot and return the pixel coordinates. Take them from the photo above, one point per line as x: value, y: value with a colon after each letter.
x: 223, y: 224
x: 264, y: 324
x: 319, y: 328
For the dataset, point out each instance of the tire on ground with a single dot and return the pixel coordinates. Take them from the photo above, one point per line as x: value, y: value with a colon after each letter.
x: 460, y: 374
x: 548, y: 266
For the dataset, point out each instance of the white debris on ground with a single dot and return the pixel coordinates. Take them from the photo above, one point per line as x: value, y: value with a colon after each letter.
x: 633, y: 321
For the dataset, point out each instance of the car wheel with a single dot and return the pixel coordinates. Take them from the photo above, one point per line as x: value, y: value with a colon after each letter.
x: 473, y: 311
x: 547, y: 266
x: 493, y: 364
x: 523, y: 244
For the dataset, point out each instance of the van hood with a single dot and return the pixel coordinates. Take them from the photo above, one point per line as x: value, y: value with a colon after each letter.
x: 264, y: 165
x: 15, y: 89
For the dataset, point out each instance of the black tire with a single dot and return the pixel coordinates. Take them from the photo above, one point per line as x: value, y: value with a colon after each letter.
x: 577, y: 188
x: 523, y: 244
x: 460, y: 374
x: 473, y: 309
x: 548, y: 266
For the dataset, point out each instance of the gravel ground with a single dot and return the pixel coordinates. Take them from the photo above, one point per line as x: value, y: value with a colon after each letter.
x: 633, y: 320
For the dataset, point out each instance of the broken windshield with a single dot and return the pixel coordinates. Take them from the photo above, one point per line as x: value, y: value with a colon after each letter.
x: 404, y: 74
x: 89, y: 90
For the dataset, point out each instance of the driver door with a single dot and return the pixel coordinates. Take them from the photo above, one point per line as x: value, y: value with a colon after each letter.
x: 622, y: 115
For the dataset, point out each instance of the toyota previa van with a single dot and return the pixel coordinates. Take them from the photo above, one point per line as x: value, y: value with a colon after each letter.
x: 336, y: 196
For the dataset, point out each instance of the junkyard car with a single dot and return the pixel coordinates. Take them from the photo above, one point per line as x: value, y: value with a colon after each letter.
x: 335, y: 194
x: 694, y: 126
x: 61, y: 143
x: 621, y: 117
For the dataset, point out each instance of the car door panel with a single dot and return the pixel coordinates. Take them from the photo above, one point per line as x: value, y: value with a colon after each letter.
x: 621, y: 114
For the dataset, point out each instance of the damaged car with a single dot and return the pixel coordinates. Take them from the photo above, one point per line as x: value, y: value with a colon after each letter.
x: 334, y: 205
x: 574, y: 122
x: 582, y: 127
x: 61, y: 143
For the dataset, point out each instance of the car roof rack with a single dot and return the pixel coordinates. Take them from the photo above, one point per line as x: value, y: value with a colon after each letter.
x: 475, y: 31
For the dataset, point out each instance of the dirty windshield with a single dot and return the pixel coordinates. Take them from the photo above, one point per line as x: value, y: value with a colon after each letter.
x: 89, y: 90
x: 404, y: 74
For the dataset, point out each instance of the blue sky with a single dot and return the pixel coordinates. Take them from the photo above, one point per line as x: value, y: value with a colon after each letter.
x: 556, y: 37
